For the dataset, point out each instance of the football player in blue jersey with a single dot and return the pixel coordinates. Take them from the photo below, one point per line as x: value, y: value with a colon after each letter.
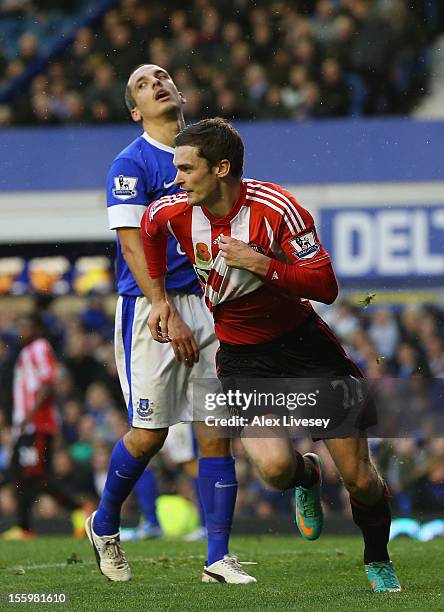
x: 156, y: 379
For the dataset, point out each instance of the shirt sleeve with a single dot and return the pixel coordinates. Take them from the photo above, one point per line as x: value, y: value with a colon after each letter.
x: 127, y: 193
x: 309, y: 274
x: 154, y: 240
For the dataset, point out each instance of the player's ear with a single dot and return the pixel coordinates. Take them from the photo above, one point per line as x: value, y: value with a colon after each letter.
x: 223, y: 168
x: 135, y: 115
x: 182, y: 98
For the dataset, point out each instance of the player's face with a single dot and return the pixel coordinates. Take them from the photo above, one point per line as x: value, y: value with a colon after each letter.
x: 194, y: 176
x: 154, y: 92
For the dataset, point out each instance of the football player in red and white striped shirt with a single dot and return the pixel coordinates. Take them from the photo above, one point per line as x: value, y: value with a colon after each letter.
x: 256, y: 252
x: 34, y: 416
x: 258, y: 263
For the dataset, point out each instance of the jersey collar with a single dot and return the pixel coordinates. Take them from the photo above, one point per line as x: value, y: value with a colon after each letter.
x: 233, y: 212
x: 158, y: 144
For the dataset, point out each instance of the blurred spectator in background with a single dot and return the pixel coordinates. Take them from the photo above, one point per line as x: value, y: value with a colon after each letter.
x: 359, y: 57
x: 409, y: 361
x: 94, y: 317
x: 80, y: 363
x: 34, y: 419
x: 28, y: 45
x: 71, y: 484
x: 83, y: 448
x: 335, y: 94
x: 343, y: 319
x: 71, y: 413
x: 383, y: 332
x: 371, y: 54
x: 105, y: 88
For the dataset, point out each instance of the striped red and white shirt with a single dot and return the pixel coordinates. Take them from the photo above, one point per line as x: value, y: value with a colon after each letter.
x: 247, y: 309
x: 35, y: 366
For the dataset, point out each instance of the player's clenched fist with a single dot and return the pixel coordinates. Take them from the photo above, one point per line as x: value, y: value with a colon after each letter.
x: 236, y: 253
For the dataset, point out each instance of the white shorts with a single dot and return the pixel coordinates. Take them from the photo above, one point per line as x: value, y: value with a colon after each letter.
x: 158, y: 390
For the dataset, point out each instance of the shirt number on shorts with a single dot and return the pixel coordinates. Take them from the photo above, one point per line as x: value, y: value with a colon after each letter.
x: 352, y: 390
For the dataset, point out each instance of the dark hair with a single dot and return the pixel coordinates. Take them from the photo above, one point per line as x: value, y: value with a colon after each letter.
x: 215, y: 139
x: 130, y: 102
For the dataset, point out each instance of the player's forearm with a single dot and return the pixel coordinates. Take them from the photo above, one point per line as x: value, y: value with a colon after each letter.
x: 258, y: 263
x: 311, y: 283
x: 302, y: 281
x: 137, y: 265
x: 159, y: 293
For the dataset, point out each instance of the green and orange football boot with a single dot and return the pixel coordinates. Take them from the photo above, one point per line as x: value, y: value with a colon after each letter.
x: 382, y: 577
x: 309, y: 513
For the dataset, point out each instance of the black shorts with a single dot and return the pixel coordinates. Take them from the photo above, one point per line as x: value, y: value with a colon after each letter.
x: 310, y: 364
x: 31, y: 457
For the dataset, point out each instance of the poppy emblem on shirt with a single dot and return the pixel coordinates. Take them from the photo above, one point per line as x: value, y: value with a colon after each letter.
x: 305, y: 245
x: 202, y: 255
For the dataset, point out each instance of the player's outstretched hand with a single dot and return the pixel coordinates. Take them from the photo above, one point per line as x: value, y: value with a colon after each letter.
x: 158, y: 321
x: 236, y: 253
x: 182, y: 340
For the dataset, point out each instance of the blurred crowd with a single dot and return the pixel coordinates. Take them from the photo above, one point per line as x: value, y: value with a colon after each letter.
x: 402, y: 354
x: 231, y: 58
x: 390, y: 346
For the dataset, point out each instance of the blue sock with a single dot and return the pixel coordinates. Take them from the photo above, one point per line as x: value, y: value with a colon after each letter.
x: 199, y: 502
x: 218, y: 490
x: 123, y: 472
x: 146, y: 491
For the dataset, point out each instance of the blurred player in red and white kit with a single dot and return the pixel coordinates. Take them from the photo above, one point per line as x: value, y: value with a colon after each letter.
x: 34, y: 418
x: 259, y: 259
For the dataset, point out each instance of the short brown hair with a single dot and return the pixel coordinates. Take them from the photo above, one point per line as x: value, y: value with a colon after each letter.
x: 215, y: 139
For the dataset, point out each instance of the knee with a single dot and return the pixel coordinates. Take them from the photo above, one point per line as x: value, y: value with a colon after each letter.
x: 361, y: 481
x: 145, y: 443
x: 278, y: 472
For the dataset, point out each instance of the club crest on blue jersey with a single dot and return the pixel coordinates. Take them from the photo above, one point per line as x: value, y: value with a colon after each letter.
x: 306, y: 245
x: 125, y: 187
x: 145, y: 408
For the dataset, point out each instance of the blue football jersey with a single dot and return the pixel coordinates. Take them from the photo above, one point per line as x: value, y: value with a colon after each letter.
x: 140, y: 174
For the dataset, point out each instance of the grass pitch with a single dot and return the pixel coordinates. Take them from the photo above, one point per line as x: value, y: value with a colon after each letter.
x: 292, y: 575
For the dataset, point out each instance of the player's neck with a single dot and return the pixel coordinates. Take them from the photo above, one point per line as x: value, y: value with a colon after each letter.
x: 225, y: 199
x: 164, y: 131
